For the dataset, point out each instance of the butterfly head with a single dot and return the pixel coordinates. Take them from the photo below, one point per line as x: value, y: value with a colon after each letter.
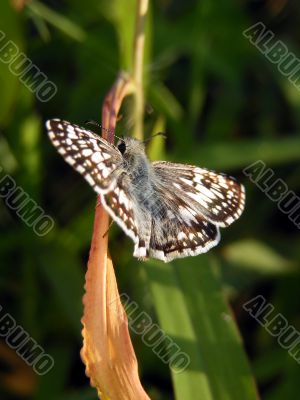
x: 129, y: 145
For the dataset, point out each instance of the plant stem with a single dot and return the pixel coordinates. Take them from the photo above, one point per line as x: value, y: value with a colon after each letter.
x: 103, y: 332
x: 112, y: 103
x: 138, y: 61
x: 107, y: 349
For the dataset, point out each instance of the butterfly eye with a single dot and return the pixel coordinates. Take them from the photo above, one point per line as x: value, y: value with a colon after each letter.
x: 122, y: 147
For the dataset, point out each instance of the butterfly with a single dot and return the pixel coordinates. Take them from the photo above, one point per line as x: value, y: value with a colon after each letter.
x: 169, y: 210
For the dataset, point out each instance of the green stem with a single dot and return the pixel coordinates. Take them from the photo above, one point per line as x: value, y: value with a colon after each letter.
x: 138, y: 62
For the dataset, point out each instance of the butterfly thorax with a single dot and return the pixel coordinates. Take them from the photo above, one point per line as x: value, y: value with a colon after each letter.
x: 135, y: 162
x: 142, y: 180
x: 140, y: 173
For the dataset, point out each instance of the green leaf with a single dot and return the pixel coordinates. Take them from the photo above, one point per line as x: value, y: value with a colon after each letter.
x: 163, y: 99
x: 156, y: 146
x: 61, y: 22
x: 9, y: 83
x: 8, y: 160
x: 230, y: 155
x: 122, y: 16
x: 192, y: 310
x: 254, y: 255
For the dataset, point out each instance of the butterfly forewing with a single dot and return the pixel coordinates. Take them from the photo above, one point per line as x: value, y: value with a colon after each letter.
x: 87, y: 153
x: 217, y: 197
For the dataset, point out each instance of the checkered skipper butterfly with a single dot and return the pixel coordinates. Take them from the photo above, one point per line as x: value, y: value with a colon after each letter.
x: 169, y: 210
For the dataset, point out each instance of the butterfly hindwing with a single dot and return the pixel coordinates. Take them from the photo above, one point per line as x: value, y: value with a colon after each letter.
x: 183, y: 231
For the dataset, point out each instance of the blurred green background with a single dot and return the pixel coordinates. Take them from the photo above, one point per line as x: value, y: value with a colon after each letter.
x: 223, y: 106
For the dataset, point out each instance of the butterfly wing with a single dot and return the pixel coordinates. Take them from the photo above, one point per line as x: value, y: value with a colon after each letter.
x: 164, y: 228
x: 219, y: 198
x: 182, y: 235
x: 194, y: 202
x: 100, y: 163
x: 121, y: 207
x: 89, y: 154
x: 188, y: 204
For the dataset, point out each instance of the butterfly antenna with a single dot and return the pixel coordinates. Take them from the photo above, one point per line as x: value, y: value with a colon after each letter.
x: 153, y: 136
x: 98, y: 125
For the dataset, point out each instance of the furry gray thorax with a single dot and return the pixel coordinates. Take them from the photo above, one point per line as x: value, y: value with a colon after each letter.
x: 143, y: 182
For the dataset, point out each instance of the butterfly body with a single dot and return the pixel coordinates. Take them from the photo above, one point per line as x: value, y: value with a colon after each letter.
x: 169, y: 210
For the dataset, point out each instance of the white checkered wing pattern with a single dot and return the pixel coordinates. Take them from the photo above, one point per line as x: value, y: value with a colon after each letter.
x: 184, y: 231
x: 219, y: 198
x: 120, y: 206
x: 195, y: 203
x: 100, y: 164
x: 93, y: 157
x: 169, y: 210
